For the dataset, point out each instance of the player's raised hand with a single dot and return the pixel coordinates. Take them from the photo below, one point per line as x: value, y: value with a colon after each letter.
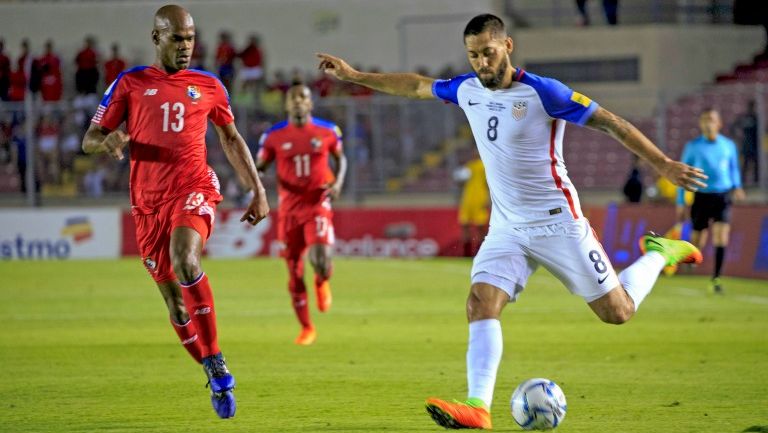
x: 257, y: 209
x: 115, y: 142
x: 680, y: 174
x: 335, y: 66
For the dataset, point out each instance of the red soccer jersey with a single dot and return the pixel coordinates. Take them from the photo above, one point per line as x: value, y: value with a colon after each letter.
x: 113, y: 68
x: 86, y: 59
x: 166, y: 116
x: 301, y: 156
x: 251, y: 56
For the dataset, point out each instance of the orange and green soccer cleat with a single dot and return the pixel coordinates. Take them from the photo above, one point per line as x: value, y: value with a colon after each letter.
x: 670, y: 270
x: 673, y: 251
x: 459, y: 415
x: 306, y: 337
x: 324, y: 298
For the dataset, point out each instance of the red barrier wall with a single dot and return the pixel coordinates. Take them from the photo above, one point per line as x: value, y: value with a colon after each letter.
x: 435, y: 232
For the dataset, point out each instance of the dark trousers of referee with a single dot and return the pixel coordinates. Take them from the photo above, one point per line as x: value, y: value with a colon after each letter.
x: 715, y: 207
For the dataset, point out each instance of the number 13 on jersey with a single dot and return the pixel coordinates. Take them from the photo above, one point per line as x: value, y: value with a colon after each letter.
x: 177, y: 110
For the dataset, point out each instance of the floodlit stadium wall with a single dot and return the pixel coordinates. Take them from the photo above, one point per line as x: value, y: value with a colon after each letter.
x: 75, y: 233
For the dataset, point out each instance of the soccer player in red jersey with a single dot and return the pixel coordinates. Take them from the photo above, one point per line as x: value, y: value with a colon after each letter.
x: 306, y: 184
x: 173, y: 191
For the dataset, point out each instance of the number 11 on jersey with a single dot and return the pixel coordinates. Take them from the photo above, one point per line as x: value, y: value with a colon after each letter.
x: 302, y: 165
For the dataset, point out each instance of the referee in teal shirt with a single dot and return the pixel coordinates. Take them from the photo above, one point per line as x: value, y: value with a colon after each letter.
x: 717, y: 156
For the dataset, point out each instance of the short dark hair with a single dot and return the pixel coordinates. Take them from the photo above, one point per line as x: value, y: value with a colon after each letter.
x: 483, y: 23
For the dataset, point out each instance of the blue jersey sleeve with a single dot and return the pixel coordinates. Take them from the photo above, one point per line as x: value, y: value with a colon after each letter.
x: 559, y: 100
x: 448, y: 90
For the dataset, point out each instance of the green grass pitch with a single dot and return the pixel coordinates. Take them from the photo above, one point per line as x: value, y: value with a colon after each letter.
x: 86, y: 346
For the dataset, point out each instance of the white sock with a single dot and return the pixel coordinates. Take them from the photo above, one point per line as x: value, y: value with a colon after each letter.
x: 483, y: 358
x: 639, y: 278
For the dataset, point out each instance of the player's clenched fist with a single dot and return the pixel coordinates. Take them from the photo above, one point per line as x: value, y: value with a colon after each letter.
x: 335, y: 66
x: 115, y: 142
x: 257, y: 210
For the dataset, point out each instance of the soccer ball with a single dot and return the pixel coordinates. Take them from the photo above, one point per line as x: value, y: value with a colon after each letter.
x: 538, y: 404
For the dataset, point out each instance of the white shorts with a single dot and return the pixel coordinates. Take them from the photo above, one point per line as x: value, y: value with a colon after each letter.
x: 569, y: 250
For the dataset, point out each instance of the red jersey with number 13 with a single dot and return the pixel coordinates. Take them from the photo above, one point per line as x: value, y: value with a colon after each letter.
x: 301, y: 158
x: 166, y: 116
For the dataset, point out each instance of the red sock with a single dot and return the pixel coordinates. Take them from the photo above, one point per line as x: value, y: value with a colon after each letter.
x: 198, y: 299
x: 298, y: 291
x: 188, y: 336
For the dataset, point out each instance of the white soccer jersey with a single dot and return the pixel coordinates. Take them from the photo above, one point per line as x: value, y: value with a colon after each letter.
x: 519, y: 133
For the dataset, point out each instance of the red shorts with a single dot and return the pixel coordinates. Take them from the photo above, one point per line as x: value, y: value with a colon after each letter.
x: 297, y: 230
x: 153, y: 231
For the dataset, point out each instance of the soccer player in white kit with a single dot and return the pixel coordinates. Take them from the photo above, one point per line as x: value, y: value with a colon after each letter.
x: 518, y: 120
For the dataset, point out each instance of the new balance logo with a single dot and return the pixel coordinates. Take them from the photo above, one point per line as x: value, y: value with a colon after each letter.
x: 150, y: 92
x: 204, y: 310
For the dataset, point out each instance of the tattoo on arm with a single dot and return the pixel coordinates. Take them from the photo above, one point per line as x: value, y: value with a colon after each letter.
x: 605, y: 121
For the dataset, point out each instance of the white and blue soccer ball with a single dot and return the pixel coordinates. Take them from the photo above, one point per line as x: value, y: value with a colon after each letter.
x: 538, y: 404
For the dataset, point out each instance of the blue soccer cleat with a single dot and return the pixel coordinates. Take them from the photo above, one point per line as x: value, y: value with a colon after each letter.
x: 222, y: 383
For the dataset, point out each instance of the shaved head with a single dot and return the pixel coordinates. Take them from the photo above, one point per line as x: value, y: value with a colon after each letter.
x: 172, y: 16
x: 174, y: 37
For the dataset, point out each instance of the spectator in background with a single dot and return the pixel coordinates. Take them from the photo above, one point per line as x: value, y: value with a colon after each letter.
x: 271, y: 101
x: 323, y: 85
x: 717, y: 156
x: 87, y: 62
x: 114, y: 66
x: 49, y: 68
x: 5, y: 72
x: 474, y: 205
x: 252, y: 73
x: 746, y: 125
x: 19, y: 150
x: 48, y: 149
x: 280, y: 82
x: 20, y: 76
x: 199, y: 52
x: 24, y: 62
x: 633, y: 187
x: 93, y: 180
x: 610, y: 7
x: 225, y: 59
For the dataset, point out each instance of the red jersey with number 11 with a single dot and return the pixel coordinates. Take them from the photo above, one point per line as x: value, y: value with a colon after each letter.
x: 301, y: 157
x: 166, y: 116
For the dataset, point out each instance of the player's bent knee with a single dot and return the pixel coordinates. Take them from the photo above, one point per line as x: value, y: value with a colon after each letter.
x: 617, y: 316
x: 485, y: 302
x: 186, y: 264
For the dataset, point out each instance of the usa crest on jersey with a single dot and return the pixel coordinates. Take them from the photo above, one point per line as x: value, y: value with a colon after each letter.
x: 316, y: 143
x: 194, y: 92
x: 519, y: 109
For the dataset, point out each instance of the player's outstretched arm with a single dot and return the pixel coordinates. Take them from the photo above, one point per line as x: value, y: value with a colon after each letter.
x: 340, y: 169
x: 240, y: 157
x: 400, y: 84
x: 98, y: 140
x: 690, y: 178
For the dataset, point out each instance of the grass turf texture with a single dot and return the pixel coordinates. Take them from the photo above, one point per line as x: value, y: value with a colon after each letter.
x: 86, y: 346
